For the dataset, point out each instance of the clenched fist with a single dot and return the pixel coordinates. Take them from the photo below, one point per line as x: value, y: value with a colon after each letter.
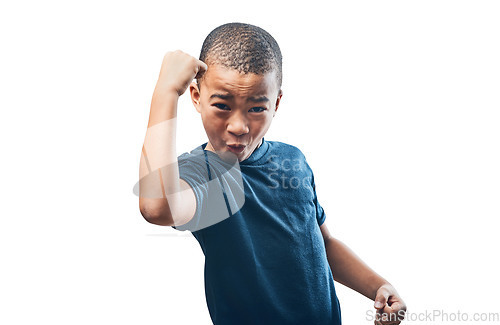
x: 178, y: 70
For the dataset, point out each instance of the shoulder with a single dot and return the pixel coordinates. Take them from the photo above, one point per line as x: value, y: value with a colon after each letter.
x: 195, y: 155
x: 192, y: 163
x: 287, y: 149
x: 286, y: 153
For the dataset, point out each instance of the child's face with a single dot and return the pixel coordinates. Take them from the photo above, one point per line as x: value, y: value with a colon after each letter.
x: 236, y: 109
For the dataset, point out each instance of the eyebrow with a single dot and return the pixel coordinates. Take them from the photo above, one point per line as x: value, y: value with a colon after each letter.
x: 255, y: 99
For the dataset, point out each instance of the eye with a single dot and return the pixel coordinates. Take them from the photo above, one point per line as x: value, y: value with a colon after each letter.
x: 259, y: 109
x: 222, y: 107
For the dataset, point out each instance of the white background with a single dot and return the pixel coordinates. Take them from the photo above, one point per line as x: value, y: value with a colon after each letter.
x: 394, y: 103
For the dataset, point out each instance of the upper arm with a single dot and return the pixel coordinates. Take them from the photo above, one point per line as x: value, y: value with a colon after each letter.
x: 159, y: 210
x: 188, y: 203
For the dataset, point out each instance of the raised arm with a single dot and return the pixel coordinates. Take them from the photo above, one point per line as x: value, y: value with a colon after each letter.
x: 164, y: 198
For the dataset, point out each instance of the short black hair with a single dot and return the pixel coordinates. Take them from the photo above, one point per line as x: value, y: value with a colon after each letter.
x: 243, y: 47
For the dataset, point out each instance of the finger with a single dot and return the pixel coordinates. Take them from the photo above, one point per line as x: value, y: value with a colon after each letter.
x: 202, y: 66
x: 199, y: 74
x: 399, y: 309
x: 395, y: 299
x: 387, y: 316
x: 381, y: 299
x: 381, y: 315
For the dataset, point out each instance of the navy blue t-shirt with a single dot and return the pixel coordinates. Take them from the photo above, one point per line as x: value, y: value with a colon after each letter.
x: 257, y: 222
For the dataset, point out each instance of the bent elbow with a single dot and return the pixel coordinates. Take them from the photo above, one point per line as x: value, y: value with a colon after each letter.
x: 157, y: 216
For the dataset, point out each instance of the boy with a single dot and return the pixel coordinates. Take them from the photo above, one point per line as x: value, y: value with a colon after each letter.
x: 251, y: 203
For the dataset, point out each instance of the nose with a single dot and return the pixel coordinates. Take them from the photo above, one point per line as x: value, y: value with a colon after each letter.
x: 237, y: 125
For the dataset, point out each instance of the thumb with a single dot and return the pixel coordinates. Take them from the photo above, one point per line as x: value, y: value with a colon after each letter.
x: 381, y: 300
x: 202, y: 68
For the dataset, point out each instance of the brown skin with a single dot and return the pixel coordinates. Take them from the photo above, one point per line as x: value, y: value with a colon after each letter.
x: 348, y: 269
x: 239, y: 120
x: 159, y: 150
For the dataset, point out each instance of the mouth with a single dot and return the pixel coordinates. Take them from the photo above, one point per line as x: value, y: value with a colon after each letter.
x: 236, y: 148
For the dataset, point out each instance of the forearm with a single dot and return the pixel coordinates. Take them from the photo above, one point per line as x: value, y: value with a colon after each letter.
x: 163, y: 105
x: 348, y: 269
x: 158, y: 171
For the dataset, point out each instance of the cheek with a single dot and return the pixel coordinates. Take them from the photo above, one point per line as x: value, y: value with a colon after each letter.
x: 260, y: 124
x: 207, y: 114
x: 212, y: 121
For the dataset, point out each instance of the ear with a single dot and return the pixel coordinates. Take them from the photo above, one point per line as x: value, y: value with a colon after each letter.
x: 278, y: 99
x: 195, y: 96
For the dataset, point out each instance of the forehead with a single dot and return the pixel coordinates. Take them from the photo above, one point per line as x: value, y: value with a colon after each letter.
x: 219, y: 78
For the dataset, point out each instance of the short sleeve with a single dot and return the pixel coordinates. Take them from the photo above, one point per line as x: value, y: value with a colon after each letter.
x: 217, y: 186
x: 320, y: 213
x: 193, y: 170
